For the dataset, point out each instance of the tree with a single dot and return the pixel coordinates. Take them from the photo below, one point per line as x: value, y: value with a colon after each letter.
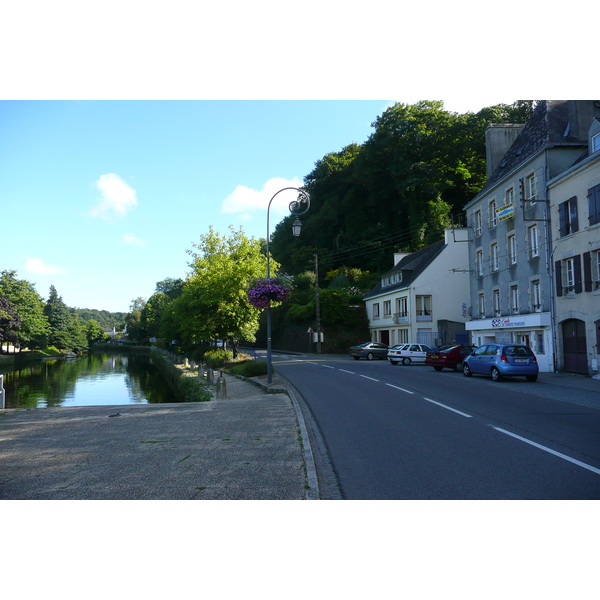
x: 171, y: 287
x: 93, y: 332
x: 60, y: 320
x: 152, y: 313
x: 133, y: 320
x: 9, y: 322
x: 214, y: 302
x: 28, y: 305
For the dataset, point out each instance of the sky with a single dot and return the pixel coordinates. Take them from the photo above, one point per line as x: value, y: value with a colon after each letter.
x: 102, y: 198
x: 126, y: 133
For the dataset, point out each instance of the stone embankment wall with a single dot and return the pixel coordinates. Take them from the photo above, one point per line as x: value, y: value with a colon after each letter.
x: 182, y: 377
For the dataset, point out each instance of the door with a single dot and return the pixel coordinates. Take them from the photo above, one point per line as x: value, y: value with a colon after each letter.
x: 574, y: 346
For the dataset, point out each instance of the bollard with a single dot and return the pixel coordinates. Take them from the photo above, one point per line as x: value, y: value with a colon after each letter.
x: 209, y: 375
x: 221, y: 392
x: 186, y: 363
x: 200, y: 371
x: 2, y: 392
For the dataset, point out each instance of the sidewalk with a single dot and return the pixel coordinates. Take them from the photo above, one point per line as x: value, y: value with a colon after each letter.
x: 245, y: 447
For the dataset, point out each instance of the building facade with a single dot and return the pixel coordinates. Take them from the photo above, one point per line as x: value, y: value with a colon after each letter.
x: 574, y: 203
x: 423, y: 298
x: 511, y: 291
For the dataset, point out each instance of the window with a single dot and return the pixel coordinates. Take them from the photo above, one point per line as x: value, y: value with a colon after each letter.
x: 594, y: 204
x: 403, y: 336
x: 387, y: 308
x: 402, y: 306
x: 496, y: 302
x: 481, y: 305
x: 376, y: 311
x: 514, y: 299
x: 423, y: 308
x: 509, y: 196
x: 569, y: 275
x: 479, y: 263
x: 492, y: 216
x: 568, y: 221
x: 530, y: 188
x: 596, y: 142
x: 512, y: 249
x: 532, y: 238
x: 536, y: 296
x: 494, y: 257
x: 477, y: 223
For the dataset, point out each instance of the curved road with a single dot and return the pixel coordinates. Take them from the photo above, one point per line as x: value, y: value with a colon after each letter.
x: 414, y: 433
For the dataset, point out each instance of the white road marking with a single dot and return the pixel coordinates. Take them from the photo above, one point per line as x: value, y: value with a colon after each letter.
x: 563, y: 456
x: 447, y: 407
x: 399, y: 388
x: 328, y: 367
x: 369, y: 378
x: 351, y: 372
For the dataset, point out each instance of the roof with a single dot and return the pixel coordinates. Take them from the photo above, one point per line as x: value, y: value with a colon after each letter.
x: 411, y: 267
x: 553, y: 123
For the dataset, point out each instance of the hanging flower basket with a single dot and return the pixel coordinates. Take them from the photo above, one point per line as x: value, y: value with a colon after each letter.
x: 269, y: 292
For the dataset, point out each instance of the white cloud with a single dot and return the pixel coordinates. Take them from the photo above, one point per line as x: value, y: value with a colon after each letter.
x: 37, y: 265
x: 129, y: 238
x: 117, y: 198
x: 244, y: 201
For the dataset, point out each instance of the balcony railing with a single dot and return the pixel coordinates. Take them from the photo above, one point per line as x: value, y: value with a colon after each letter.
x: 401, y: 318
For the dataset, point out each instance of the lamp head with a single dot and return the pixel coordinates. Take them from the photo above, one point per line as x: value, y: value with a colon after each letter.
x: 296, y: 227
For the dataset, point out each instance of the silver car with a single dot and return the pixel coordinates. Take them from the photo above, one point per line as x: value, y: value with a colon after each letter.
x: 407, y: 353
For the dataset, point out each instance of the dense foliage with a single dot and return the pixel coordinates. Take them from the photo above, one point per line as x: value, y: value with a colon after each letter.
x: 400, y: 189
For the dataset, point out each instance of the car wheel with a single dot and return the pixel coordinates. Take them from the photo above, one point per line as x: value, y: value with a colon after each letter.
x: 531, y: 377
x: 370, y: 356
x: 394, y: 362
x: 406, y: 361
x: 356, y: 357
x: 438, y: 368
x: 496, y: 376
x: 458, y: 366
x: 466, y: 371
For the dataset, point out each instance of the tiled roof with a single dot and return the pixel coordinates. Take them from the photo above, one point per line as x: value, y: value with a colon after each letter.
x: 411, y: 266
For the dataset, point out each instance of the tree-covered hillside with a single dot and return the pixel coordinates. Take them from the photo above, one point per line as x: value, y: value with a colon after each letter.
x: 400, y: 189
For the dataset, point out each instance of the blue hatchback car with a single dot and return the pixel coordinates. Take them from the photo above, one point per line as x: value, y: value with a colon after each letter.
x: 499, y: 360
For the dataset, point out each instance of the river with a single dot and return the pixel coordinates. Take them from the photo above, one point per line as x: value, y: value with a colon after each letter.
x: 95, y: 379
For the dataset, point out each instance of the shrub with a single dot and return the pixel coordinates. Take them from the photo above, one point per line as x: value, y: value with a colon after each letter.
x: 250, y: 369
x: 216, y: 358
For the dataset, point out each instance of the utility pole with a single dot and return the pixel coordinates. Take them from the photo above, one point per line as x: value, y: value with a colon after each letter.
x: 317, y: 304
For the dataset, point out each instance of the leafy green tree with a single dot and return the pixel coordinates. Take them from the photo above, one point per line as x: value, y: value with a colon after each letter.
x: 171, y: 287
x: 133, y: 320
x: 152, y: 313
x: 60, y: 320
x: 214, y: 303
x: 93, y: 332
x: 9, y: 322
x: 29, y: 306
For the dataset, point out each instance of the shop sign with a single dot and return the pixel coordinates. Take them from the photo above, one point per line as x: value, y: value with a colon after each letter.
x: 505, y: 212
x: 507, y: 322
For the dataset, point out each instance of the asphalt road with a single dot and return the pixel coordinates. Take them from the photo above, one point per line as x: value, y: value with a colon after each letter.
x: 409, y: 432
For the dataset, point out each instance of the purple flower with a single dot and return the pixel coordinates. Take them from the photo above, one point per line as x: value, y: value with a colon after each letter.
x: 267, y: 292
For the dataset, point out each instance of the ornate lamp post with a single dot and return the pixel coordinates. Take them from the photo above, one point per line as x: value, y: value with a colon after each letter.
x: 297, y: 207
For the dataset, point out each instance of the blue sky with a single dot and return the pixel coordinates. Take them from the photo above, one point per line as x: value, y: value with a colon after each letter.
x: 125, y: 131
x: 102, y: 198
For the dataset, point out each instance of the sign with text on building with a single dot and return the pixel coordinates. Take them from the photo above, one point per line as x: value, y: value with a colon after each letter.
x: 508, y: 322
x: 505, y: 212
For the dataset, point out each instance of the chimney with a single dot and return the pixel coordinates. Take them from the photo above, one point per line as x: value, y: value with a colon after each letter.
x: 398, y: 256
x: 499, y: 137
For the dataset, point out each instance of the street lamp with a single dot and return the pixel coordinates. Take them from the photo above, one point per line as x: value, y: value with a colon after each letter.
x: 296, y: 208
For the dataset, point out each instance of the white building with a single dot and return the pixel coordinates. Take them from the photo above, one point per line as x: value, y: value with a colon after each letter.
x: 424, y: 297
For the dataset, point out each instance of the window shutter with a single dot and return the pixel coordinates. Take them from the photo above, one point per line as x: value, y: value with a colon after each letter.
x: 573, y: 214
x: 578, y: 281
x: 562, y: 219
x: 594, y: 204
x: 587, y: 271
x: 558, y: 271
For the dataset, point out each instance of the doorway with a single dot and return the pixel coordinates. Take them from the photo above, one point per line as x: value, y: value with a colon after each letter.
x: 574, y: 346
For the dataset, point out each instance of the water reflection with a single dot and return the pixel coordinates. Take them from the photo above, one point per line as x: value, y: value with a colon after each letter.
x: 92, y: 380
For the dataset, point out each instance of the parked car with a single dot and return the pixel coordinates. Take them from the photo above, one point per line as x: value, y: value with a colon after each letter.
x: 500, y: 360
x: 369, y: 350
x: 450, y: 356
x: 407, y: 353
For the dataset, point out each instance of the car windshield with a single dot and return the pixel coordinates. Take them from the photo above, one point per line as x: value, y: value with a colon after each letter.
x: 447, y: 348
x: 518, y: 351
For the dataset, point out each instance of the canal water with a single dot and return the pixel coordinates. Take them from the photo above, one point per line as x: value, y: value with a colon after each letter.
x: 95, y: 379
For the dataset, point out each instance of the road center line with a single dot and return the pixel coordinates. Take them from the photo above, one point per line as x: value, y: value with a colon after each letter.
x: 399, y: 388
x: 351, y: 372
x: 328, y: 367
x: 369, y: 378
x: 563, y: 456
x: 447, y: 407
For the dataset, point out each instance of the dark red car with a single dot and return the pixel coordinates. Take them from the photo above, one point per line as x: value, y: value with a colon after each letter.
x: 450, y: 356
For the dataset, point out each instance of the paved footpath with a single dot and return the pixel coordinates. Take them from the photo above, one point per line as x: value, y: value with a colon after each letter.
x: 245, y: 447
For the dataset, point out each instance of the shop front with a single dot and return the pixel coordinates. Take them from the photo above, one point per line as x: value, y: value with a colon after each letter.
x: 533, y: 330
